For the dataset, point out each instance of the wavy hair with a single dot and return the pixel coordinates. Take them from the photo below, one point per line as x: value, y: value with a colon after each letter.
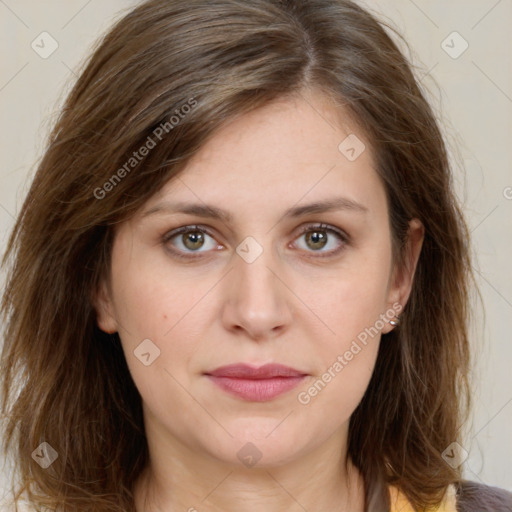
x: 65, y: 382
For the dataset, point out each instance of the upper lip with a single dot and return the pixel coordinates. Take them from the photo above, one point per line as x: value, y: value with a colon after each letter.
x: 245, y: 371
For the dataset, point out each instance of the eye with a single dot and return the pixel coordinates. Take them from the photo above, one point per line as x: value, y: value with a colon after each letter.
x: 318, y: 237
x: 189, y: 239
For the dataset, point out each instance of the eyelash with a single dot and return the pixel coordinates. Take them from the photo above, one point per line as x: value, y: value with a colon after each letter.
x: 306, y: 229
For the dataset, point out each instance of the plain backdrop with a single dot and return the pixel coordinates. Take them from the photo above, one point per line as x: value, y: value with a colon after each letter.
x: 468, y: 76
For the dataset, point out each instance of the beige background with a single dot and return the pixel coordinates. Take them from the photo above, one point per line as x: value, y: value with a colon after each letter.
x: 472, y: 93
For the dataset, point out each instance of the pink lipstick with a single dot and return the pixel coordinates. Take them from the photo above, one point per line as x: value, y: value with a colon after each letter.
x: 256, y: 384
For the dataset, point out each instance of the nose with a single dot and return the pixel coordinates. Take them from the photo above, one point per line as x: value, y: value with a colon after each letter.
x: 256, y: 299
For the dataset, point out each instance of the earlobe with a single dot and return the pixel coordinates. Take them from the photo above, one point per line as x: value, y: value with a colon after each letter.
x: 403, y: 277
x: 103, y: 306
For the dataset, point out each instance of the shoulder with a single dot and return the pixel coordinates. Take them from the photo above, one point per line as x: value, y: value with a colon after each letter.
x: 477, y: 497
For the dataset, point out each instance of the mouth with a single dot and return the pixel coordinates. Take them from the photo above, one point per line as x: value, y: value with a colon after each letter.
x: 256, y: 384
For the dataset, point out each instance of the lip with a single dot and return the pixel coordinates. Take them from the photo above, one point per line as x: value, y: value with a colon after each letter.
x: 256, y: 384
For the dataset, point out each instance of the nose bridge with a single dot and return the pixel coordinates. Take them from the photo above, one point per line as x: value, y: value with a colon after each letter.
x: 253, y: 263
x: 257, y: 300
x: 254, y: 275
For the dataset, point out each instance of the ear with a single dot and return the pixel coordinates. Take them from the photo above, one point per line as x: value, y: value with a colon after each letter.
x: 104, y: 308
x: 402, y: 276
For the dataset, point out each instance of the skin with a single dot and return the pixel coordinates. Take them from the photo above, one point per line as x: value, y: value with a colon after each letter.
x: 290, y: 306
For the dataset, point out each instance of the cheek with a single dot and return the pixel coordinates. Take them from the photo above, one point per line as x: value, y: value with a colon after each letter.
x: 155, y: 302
x: 345, y: 358
x: 150, y: 295
x: 353, y: 298
x: 161, y: 311
x: 351, y: 303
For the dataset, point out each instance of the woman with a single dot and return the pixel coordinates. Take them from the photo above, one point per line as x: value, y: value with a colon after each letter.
x: 240, y: 277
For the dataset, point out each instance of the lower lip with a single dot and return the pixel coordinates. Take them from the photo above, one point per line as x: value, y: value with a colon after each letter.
x: 257, y: 390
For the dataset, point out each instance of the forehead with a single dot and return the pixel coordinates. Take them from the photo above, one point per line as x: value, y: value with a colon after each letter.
x: 288, y: 153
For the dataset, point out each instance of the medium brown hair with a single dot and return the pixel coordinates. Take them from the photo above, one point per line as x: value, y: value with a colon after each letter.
x: 66, y: 382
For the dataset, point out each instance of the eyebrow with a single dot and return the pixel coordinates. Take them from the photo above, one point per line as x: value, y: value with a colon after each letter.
x: 213, y: 212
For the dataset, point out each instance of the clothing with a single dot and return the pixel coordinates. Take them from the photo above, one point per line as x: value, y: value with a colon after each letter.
x: 476, y: 497
x: 399, y: 503
x: 465, y: 496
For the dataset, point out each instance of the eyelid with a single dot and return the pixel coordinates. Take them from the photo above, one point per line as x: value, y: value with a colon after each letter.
x: 344, y: 237
x: 325, y: 227
x: 189, y: 228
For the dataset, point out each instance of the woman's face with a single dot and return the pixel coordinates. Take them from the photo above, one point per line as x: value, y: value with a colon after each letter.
x: 255, y: 290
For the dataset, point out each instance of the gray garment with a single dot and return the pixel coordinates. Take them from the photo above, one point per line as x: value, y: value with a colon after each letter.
x: 477, y: 497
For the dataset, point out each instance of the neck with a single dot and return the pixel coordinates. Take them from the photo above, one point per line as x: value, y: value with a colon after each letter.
x: 194, y: 483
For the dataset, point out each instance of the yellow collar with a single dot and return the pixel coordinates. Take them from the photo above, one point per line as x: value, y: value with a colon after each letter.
x: 399, y: 503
